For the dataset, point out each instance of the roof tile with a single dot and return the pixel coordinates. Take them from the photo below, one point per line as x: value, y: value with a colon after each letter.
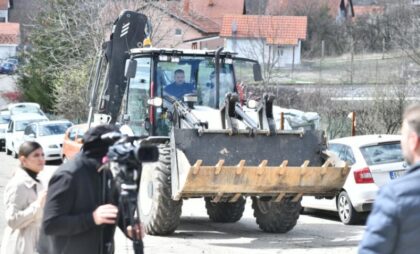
x: 279, y: 30
x: 9, y: 33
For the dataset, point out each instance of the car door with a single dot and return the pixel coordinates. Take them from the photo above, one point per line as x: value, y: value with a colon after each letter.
x: 385, y: 161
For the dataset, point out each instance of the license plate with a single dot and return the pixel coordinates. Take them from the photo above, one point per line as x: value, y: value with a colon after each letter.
x: 395, y: 174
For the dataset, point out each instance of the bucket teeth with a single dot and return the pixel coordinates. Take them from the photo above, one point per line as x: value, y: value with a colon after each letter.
x: 197, y: 166
x: 219, y: 166
x: 240, y: 167
x: 262, y: 166
x: 280, y: 197
x: 235, y: 198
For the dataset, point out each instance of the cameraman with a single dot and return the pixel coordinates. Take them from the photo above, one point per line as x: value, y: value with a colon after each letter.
x: 81, y: 210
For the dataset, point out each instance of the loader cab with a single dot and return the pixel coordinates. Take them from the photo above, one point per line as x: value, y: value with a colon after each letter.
x: 155, y: 72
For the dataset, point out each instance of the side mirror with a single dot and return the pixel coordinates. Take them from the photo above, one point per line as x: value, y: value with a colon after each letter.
x: 130, y: 68
x: 257, y: 72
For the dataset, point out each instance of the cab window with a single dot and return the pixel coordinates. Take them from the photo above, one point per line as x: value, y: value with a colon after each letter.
x: 137, y: 97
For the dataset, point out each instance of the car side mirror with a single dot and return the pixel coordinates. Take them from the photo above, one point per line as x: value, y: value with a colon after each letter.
x: 257, y: 72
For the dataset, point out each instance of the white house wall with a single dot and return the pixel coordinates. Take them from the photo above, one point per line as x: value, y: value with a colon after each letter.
x: 7, y: 51
x: 4, y: 14
x: 258, y: 50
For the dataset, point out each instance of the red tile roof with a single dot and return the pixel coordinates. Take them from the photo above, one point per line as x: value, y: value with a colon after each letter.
x: 279, y: 30
x: 216, y: 9
x: 9, y: 33
x: 4, y: 4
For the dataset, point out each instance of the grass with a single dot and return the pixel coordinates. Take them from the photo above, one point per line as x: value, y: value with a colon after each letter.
x: 366, y: 69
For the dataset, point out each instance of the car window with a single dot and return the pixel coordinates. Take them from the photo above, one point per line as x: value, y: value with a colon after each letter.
x: 72, y: 135
x: 53, y: 129
x: 21, y: 125
x: 80, y: 133
x: 382, y: 153
x: 4, y: 119
x: 28, y: 130
x: 347, y: 155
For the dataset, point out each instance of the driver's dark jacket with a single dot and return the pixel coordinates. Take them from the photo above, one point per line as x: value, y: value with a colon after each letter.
x: 74, y: 192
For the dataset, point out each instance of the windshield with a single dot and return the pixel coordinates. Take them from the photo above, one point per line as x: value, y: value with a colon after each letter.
x: 382, y: 153
x: 21, y: 125
x: 25, y: 109
x: 194, y: 75
x: 53, y: 129
x: 4, y: 119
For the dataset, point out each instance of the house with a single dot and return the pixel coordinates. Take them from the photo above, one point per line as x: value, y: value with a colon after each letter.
x: 9, y: 39
x: 4, y: 10
x: 269, y: 39
x: 190, y: 23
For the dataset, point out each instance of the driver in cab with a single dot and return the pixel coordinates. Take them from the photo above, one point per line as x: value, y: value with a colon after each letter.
x: 179, y: 87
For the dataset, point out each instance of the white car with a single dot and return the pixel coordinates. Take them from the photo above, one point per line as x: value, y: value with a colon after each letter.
x: 375, y: 160
x: 14, y: 134
x: 49, y: 135
x: 4, y: 123
x: 25, y: 108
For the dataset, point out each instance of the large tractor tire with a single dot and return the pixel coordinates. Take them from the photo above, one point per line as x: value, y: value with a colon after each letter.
x: 224, y: 211
x: 159, y: 213
x: 276, y: 217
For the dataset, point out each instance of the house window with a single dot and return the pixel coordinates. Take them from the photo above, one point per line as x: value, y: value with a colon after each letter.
x: 178, y: 31
x: 194, y: 45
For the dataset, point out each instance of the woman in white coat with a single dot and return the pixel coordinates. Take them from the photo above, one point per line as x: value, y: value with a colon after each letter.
x: 24, y: 199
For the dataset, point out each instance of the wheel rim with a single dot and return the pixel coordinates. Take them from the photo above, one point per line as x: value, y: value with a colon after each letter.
x: 344, y: 208
x: 146, y: 189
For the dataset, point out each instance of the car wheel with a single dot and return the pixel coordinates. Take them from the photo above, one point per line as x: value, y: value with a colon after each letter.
x: 346, y: 211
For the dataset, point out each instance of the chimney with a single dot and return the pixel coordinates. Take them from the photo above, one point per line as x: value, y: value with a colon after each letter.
x: 186, y: 8
x: 211, y: 2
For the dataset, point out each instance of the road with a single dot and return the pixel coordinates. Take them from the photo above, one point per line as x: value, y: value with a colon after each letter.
x: 314, y: 233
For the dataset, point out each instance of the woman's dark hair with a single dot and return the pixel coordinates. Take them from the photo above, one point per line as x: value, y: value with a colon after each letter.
x: 28, y: 147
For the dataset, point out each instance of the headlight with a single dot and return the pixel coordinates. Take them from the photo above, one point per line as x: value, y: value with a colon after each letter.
x: 53, y: 146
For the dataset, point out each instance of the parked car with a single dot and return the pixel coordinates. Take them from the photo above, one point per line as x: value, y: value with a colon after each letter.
x: 50, y: 135
x: 375, y: 160
x: 25, y: 107
x: 15, y: 129
x: 4, y: 122
x: 7, y: 68
x: 73, y: 141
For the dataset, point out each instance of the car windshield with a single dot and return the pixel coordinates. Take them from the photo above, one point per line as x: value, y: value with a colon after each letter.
x: 25, y: 109
x: 53, y: 129
x: 21, y: 125
x: 4, y: 119
x: 382, y: 153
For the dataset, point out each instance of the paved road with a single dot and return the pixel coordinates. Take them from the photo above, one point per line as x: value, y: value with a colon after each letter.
x: 315, y: 233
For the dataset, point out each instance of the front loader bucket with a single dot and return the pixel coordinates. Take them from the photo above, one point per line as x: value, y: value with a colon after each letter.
x: 228, y: 166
